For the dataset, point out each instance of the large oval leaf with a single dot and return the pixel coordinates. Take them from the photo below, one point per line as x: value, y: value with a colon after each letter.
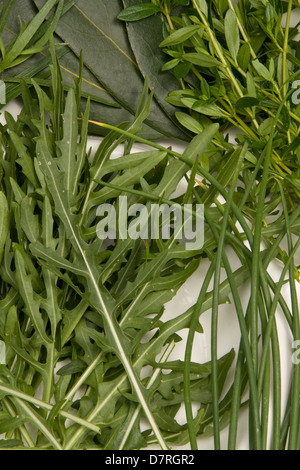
x: 93, y: 28
x: 145, y: 37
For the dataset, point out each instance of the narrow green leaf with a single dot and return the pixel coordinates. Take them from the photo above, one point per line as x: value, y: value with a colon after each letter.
x: 32, y: 302
x: 138, y: 12
x: 202, y: 5
x: 25, y: 160
x: 177, y: 169
x: 189, y: 122
x: 100, y: 297
x: 232, y: 33
x: 4, y: 223
x: 201, y: 59
x: 68, y: 145
x: 246, y: 102
x: 179, y: 36
x: 10, y: 444
x: 2, y: 353
x: 262, y: 70
x: 24, y: 38
x: 209, y: 109
x: 5, y: 14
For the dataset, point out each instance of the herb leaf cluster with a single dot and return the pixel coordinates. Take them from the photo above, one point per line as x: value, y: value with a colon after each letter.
x: 81, y: 322
x: 85, y: 349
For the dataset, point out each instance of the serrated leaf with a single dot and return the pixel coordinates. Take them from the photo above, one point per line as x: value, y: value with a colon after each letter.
x: 100, y: 298
x: 24, y: 158
x: 73, y: 367
x: 32, y: 301
x: 68, y: 145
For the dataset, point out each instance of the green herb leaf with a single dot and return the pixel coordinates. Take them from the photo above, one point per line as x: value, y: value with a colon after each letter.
x: 180, y: 36
x: 246, y: 102
x: 203, y: 60
x: 4, y: 223
x: 138, y: 12
x: 232, y: 33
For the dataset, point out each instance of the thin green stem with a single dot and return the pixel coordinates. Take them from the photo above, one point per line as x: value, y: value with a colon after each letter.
x: 188, y: 356
x: 294, y: 416
x: 236, y: 400
x: 215, y: 309
x: 284, y: 56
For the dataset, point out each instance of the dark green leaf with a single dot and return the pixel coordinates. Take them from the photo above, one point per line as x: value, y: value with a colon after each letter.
x: 232, y: 33
x: 117, y: 71
x: 73, y: 367
x: 138, y: 12
x: 179, y: 36
x: 10, y: 443
x: 246, y: 102
x: 145, y: 37
x: 201, y: 59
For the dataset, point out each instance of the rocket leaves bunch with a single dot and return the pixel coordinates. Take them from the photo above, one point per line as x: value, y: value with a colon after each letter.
x: 85, y: 345
x: 75, y: 315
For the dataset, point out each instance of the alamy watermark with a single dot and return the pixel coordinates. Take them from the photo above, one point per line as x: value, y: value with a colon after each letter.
x: 155, y: 221
x: 296, y: 94
x: 2, y: 92
x: 296, y: 353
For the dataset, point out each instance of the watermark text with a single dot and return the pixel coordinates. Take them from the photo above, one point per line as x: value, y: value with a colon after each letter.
x: 155, y: 221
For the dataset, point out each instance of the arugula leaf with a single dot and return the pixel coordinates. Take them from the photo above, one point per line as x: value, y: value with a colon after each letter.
x: 94, y: 311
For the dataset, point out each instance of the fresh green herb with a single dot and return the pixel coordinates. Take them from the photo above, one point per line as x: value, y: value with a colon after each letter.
x: 75, y: 310
x: 82, y: 323
x: 237, y: 64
